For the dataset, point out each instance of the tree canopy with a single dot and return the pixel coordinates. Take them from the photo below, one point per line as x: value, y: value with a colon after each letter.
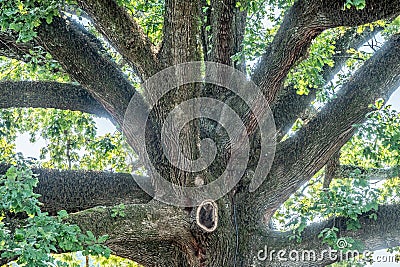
x: 324, y: 69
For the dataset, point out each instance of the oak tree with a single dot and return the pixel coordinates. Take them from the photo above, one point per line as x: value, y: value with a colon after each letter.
x: 325, y: 92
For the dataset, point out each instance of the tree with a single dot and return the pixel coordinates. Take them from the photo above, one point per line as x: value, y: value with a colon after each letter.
x: 299, y: 56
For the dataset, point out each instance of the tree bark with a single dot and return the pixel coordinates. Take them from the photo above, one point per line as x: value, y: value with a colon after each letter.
x: 301, y: 156
x: 63, y: 96
x: 75, y: 191
x: 124, y: 33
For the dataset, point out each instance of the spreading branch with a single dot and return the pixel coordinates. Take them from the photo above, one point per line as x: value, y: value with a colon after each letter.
x: 79, y: 190
x: 290, y: 105
x: 304, y: 21
x: 301, y: 156
x: 384, y: 232
x: 124, y: 33
x: 63, y: 96
x: 374, y: 174
x: 67, y: 42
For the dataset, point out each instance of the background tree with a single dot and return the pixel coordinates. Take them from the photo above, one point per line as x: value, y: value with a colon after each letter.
x: 91, y: 56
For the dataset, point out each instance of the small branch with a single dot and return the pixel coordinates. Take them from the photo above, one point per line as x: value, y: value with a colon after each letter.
x: 11, y: 49
x: 331, y: 169
x: 205, y: 29
x: 349, y: 171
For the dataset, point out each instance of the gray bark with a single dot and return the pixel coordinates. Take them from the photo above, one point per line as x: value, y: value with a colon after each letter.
x: 58, y: 95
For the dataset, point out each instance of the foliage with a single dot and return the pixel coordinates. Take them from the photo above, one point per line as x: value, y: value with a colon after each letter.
x: 76, y: 260
x: 358, y: 4
x: 149, y: 15
x: 308, y: 74
x: 24, y: 17
x: 263, y: 20
x: 346, y: 198
x: 375, y: 145
x: 31, y: 235
x: 71, y: 138
x: 118, y: 211
x: 36, y: 66
x: 115, y: 261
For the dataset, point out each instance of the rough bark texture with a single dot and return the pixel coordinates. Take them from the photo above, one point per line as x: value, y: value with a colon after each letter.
x: 300, y: 157
x: 386, y: 225
x: 124, y: 33
x: 149, y: 234
x: 155, y: 234
x: 58, y: 95
x: 331, y: 169
x: 75, y: 191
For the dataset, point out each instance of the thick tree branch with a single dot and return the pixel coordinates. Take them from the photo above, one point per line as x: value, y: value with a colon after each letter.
x: 301, y: 156
x: 152, y: 234
x: 302, y: 23
x: 78, y: 190
x: 124, y: 33
x: 384, y: 232
x: 58, y: 95
x: 70, y: 45
x: 180, y: 31
x: 290, y: 105
x: 67, y: 43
